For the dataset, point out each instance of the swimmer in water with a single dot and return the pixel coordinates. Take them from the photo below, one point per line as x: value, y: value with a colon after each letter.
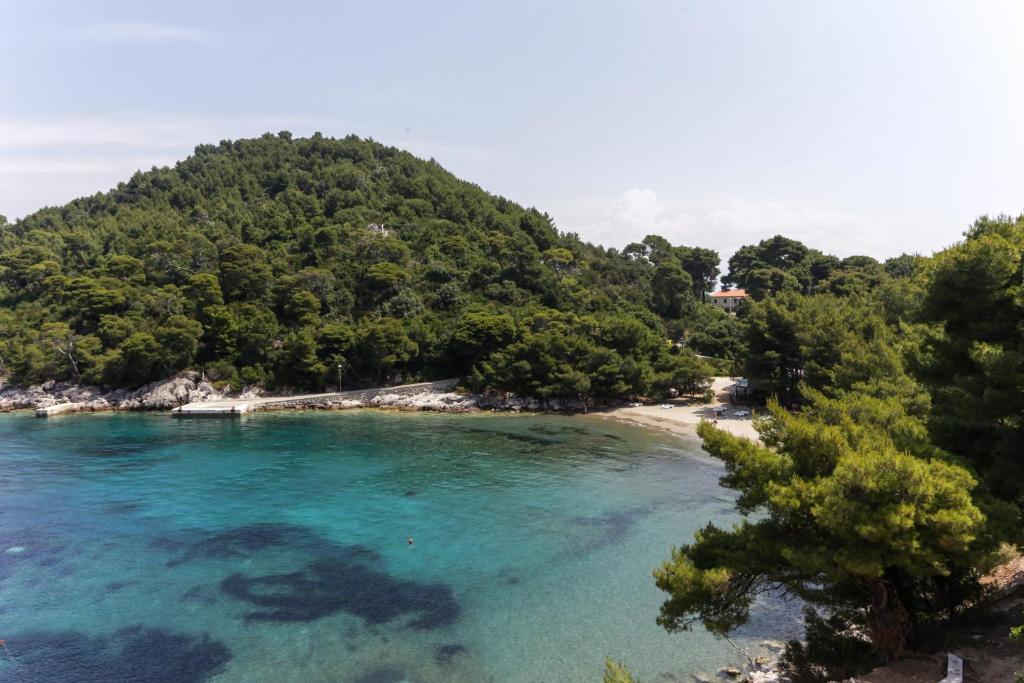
x: 410, y: 540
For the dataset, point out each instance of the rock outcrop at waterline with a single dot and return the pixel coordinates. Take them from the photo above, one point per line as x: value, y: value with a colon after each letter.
x: 191, y: 387
x: 163, y: 395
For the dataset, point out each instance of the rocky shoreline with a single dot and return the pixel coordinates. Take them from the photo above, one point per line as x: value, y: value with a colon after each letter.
x: 761, y: 667
x: 191, y: 387
x: 162, y: 395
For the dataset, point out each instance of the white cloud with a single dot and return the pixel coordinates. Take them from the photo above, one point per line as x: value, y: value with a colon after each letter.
x: 44, y: 162
x: 21, y: 166
x: 636, y: 208
x: 144, y: 32
x: 843, y: 233
x: 47, y: 162
x: 727, y: 223
x: 143, y: 131
x: 631, y: 217
x: 28, y: 134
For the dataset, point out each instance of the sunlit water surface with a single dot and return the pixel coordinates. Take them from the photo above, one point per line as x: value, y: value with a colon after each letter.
x: 274, y: 548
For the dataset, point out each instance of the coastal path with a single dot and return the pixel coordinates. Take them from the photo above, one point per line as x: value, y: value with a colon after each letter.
x: 239, y: 406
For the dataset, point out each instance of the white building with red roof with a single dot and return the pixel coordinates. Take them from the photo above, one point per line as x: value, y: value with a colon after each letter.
x: 728, y: 299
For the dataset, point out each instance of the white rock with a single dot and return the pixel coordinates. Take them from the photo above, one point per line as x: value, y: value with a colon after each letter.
x: 764, y: 677
x: 347, y: 403
x: 170, y: 393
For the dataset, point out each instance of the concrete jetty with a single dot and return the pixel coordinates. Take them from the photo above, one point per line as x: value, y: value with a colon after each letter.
x: 241, y: 406
x: 60, y: 409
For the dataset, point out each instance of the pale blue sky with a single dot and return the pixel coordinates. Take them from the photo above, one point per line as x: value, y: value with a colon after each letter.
x: 858, y: 127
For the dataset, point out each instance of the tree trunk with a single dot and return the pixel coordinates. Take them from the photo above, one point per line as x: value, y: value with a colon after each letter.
x: 889, y: 623
x: 74, y: 364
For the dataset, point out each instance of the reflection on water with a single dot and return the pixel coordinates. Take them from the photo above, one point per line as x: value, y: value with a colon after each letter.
x: 274, y: 548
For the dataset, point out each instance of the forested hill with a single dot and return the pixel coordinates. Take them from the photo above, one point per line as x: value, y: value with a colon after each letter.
x: 277, y: 259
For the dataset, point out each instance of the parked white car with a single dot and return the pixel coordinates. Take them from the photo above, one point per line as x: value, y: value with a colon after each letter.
x: 741, y: 413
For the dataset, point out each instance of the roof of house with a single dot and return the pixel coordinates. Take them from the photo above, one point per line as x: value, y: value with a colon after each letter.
x: 730, y: 292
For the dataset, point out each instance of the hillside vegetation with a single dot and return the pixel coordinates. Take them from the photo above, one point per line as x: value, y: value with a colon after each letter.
x: 275, y: 260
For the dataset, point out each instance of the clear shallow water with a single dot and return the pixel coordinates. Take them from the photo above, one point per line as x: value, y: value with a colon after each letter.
x: 273, y: 548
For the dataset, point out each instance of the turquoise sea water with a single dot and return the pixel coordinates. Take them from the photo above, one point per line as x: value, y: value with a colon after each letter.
x: 274, y: 548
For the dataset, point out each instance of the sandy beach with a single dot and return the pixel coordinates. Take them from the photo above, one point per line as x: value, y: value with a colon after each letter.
x: 684, y: 416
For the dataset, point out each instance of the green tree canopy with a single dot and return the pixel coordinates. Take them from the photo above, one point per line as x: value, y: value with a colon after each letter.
x: 841, y: 516
x: 973, y: 351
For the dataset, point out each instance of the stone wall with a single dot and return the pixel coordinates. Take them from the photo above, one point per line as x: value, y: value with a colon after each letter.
x: 362, y: 397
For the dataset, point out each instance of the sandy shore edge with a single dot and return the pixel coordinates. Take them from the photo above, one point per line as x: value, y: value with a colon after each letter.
x: 684, y: 415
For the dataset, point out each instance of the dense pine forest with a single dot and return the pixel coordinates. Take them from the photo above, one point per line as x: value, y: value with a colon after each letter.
x: 275, y: 260
x: 889, y: 477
